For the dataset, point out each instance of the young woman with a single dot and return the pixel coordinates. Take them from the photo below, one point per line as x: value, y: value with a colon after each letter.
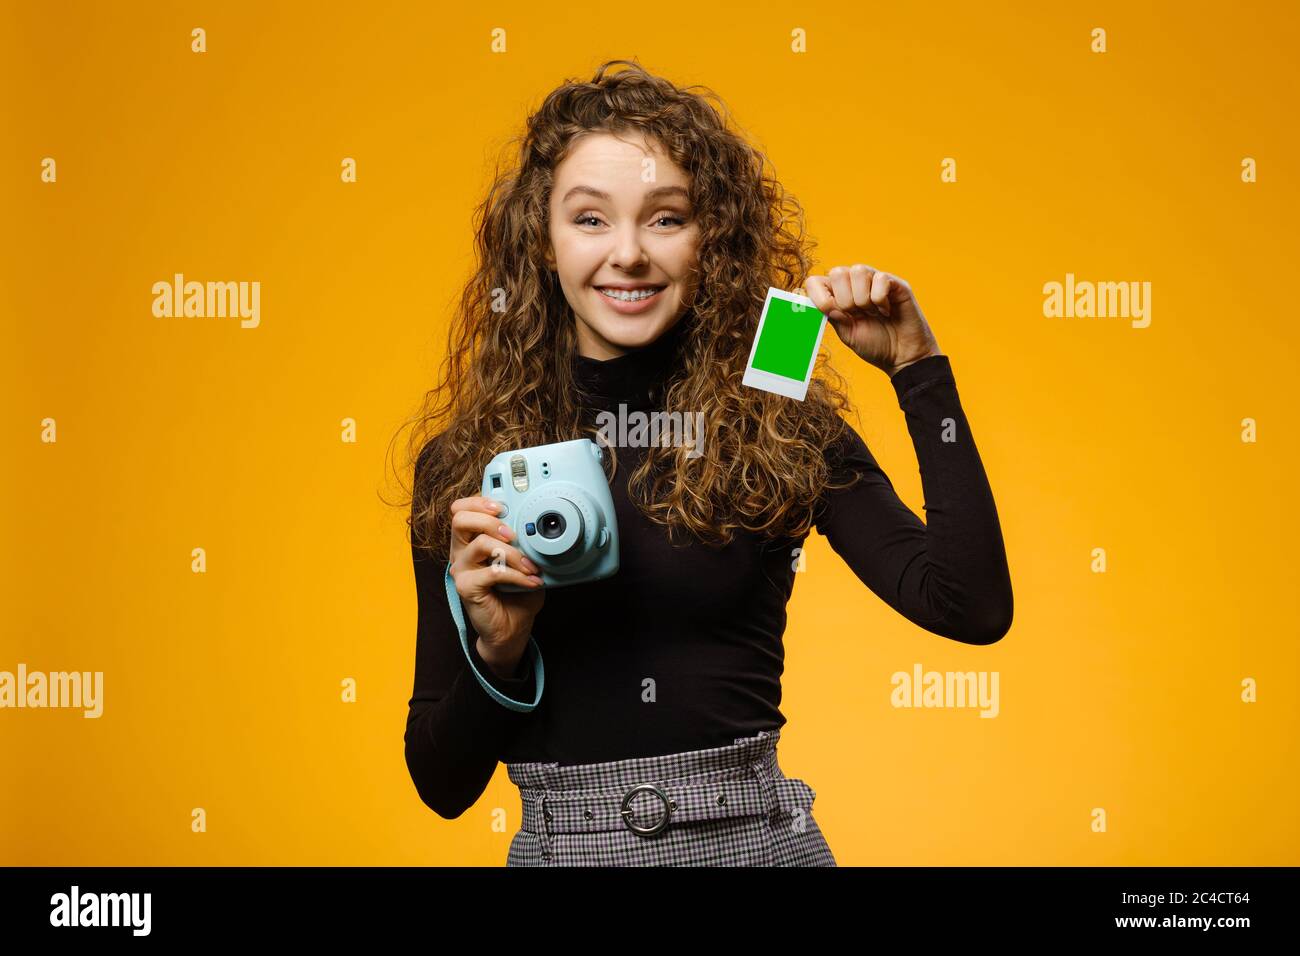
x: 624, y: 261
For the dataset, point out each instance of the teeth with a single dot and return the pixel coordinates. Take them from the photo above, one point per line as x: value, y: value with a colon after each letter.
x: 625, y: 296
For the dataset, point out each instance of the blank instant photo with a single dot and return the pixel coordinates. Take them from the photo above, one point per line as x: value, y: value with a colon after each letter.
x: 785, y: 348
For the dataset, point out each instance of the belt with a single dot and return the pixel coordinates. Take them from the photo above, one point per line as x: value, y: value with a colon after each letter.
x: 647, y: 807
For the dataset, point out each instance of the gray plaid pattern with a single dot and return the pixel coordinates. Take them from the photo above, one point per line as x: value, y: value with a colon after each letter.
x: 726, y: 806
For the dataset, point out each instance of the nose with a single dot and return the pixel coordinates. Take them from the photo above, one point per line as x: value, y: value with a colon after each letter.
x: 627, y: 252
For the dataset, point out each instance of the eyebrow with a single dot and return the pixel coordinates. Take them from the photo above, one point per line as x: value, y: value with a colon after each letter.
x: 655, y: 193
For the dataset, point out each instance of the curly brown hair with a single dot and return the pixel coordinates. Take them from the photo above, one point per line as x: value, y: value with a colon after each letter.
x: 507, y: 378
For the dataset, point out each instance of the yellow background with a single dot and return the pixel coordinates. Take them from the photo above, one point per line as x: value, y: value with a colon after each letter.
x: 1118, y: 690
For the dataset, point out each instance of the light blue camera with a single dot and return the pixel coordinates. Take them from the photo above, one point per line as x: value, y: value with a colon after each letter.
x: 557, y: 501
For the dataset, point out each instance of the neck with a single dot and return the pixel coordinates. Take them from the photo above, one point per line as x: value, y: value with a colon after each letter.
x: 635, y: 378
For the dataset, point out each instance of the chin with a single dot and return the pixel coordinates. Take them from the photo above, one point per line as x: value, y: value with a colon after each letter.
x: 632, y: 333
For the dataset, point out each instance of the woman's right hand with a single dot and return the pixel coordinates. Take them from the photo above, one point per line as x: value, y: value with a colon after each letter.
x: 480, y: 558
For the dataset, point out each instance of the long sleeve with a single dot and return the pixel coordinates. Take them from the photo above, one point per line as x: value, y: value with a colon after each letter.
x: 948, y: 574
x: 454, y: 730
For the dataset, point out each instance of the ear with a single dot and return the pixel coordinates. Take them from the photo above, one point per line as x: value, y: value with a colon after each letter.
x: 547, y: 250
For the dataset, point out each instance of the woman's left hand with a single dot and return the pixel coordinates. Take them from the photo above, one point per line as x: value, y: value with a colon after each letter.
x: 875, y: 314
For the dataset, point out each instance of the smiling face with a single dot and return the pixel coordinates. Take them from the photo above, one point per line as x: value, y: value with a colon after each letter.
x: 624, y: 249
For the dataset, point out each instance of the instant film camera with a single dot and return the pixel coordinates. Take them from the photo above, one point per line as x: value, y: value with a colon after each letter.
x: 557, y: 501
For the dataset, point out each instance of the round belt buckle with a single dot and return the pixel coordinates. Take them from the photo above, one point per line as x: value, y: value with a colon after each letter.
x: 626, y: 810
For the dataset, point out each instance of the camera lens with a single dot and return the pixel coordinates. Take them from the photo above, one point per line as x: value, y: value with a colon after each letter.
x: 551, y: 524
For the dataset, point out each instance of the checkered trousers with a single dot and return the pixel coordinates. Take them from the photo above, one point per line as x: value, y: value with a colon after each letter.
x: 725, y: 806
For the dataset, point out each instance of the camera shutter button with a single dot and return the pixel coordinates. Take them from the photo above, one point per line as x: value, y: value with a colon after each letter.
x: 504, y: 509
x: 603, y: 538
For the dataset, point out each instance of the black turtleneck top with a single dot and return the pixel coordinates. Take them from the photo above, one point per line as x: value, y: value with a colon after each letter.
x: 682, y: 648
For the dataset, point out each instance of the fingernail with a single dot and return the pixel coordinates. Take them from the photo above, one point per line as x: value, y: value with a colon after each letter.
x: 505, y: 532
x: 532, y: 568
x: 535, y: 579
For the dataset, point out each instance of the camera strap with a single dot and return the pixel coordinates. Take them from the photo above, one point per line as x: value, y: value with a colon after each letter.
x: 458, y: 615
